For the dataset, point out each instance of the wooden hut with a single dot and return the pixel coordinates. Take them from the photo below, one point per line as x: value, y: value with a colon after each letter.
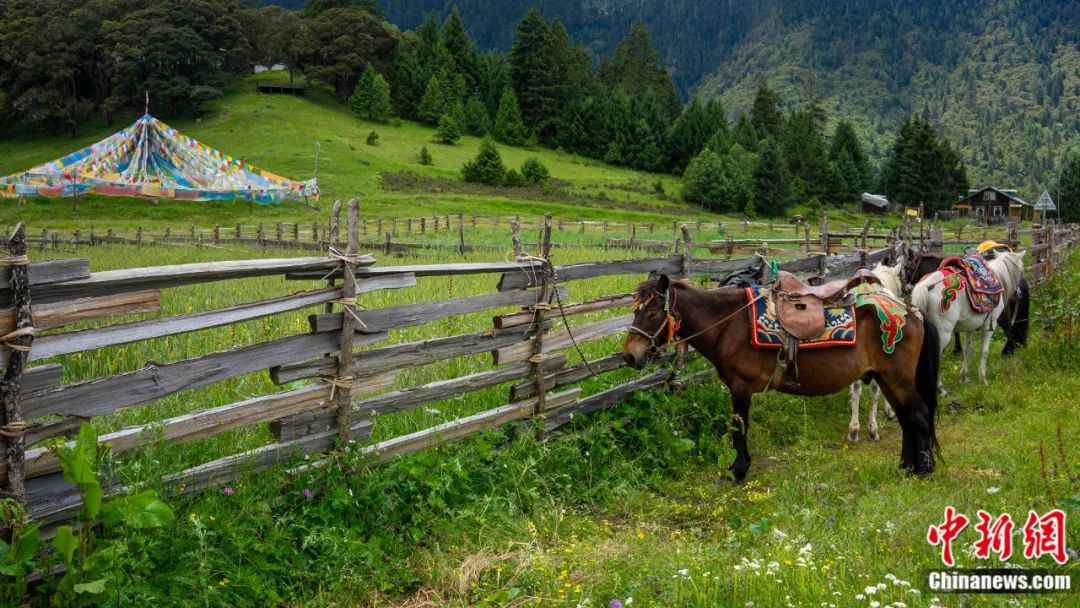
x: 992, y: 205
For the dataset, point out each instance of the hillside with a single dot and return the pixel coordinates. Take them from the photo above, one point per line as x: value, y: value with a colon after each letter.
x: 1001, y: 79
x: 280, y: 133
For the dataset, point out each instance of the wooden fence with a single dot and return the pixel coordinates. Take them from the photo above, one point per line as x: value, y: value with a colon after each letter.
x: 348, y: 385
x: 465, y: 234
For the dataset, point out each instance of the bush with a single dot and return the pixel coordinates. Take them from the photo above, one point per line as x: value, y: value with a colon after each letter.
x: 534, y: 172
x: 371, y: 98
x: 487, y: 167
x: 373, y: 139
x: 424, y: 157
x: 513, y: 179
x: 449, y: 130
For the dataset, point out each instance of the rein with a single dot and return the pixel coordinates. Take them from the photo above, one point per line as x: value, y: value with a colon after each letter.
x: 673, y: 324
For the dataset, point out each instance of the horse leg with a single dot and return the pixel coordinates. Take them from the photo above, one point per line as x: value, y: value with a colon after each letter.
x: 740, y: 422
x: 985, y: 353
x: 915, y: 453
x: 872, y: 420
x: 853, y: 426
x: 875, y: 394
x: 966, y: 337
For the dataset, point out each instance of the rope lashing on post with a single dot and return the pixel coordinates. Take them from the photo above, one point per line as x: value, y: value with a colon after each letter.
x: 9, y: 338
x: 13, y: 430
x: 336, y: 382
x: 344, y: 258
x: 14, y: 260
x: 350, y: 306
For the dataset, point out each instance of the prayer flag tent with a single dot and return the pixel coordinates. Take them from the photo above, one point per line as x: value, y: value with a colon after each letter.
x: 150, y: 159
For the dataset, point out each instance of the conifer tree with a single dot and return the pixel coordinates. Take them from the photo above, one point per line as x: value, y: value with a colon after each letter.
x: 434, y: 103
x: 487, y: 167
x: 765, y: 114
x: 772, y: 182
x: 847, y: 155
x: 1068, y: 187
x: 461, y: 50
x: 409, y: 82
x: 530, y: 70
x: 371, y: 98
x: 449, y: 131
x: 804, y: 151
x: 636, y: 68
x: 509, y: 128
x: 476, y: 120
x: 745, y: 134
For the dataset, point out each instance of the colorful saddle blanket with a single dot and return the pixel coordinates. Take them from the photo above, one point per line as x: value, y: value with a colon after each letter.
x: 970, y: 274
x: 766, y: 332
x: 891, y: 312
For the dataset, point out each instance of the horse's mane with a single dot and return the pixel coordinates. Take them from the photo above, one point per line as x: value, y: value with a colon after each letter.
x: 651, y: 286
x: 1008, y: 267
x: 890, y: 277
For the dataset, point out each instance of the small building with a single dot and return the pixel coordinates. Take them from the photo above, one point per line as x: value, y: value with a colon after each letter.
x: 992, y: 205
x: 874, y: 203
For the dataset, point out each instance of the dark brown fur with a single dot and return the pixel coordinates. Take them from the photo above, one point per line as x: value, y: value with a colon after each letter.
x: 746, y: 370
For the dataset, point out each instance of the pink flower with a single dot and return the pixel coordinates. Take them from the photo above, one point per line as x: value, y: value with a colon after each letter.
x: 228, y: 490
x: 308, y: 494
x: 615, y: 603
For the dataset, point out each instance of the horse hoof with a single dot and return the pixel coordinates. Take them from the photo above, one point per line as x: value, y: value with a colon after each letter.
x: 874, y: 436
x: 853, y: 435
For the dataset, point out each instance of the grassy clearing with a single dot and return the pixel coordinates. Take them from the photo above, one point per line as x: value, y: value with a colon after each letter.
x: 634, y: 504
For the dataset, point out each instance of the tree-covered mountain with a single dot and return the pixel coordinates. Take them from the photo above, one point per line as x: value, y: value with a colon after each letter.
x: 999, y: 78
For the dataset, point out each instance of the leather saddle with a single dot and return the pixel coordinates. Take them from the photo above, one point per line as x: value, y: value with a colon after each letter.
x: 800, y: 307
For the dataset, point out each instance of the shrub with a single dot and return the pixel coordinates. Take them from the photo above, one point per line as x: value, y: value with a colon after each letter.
x: 487, y: 167
x: 371, y: 98
x: 449, y: 130
x: 373, y: 139
x: 477, y: 122
x: 424, y: 157
x: 514, y: 179
x: 534, y: 172
x: 509, y: 127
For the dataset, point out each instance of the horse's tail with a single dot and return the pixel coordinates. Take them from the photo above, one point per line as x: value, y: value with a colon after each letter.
x: 926, y: 377
x: 1015, y: 319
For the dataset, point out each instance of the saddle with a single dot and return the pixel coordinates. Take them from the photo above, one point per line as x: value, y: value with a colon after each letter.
x: 801, y: 307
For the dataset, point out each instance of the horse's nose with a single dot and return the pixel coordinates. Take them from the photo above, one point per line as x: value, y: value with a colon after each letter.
x: 630, y: 359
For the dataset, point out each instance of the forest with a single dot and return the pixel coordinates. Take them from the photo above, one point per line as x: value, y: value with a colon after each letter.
x: 625, y: 107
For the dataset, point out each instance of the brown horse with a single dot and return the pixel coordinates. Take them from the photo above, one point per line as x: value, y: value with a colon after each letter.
x: 717, y: 324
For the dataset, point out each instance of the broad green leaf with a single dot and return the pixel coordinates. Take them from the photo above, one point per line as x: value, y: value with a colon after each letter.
x: 65, y: 543
x: 26, y: 545
x: 94, y: 587
x: 140, y: 511
x: 92, y: 494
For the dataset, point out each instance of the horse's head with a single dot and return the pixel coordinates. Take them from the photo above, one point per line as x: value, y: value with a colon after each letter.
x: 1008, y: 267
x: 891, y: 277
x: 655, y: 321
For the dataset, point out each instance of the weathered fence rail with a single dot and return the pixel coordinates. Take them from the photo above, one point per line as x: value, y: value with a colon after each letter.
x: 347, y: 354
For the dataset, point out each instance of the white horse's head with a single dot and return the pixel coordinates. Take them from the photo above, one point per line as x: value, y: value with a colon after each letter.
x: 1008, y: 267
x: 890, y: 276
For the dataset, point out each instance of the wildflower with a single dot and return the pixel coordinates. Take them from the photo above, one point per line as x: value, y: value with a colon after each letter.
x: 228, y: 490
x: 860, y: 597
x: 684, y: 572
x: 871, y: 590
x: 223, y: 582
x: 993, y: 490
x: 875, y: 604
x: 615, y: 603
x: 749, y: 604
x: 308, y: 494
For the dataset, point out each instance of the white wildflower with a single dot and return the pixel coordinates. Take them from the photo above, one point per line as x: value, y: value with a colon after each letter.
x: 993, y: 490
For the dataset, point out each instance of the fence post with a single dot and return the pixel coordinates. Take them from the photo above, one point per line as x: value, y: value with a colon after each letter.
x: 315, y: 233
x: 408, y: 226
x: 474, y: 220
x: 238, y: 233
x: 261, y: 235
x: 436, y: 223
x: 633, y: 235
x: 193, y: 233
x: 333, y: 232
x: 806, y: 237
x: 92, y: 240
x: 543, y: 302
x: 296, y: 231
x: 825, y: 231
x: 18, y: 344
x: 138, y: 235
x: 461, y: 235
x: 378, y: 226
x: 1013, y: 238
x: 687, y: 255
x: 865, y: 231
x: 423, y: 225
x: 342, y: 383
x: 515, y: 238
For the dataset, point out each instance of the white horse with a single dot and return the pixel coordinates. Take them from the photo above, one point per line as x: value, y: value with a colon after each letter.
x: 889, y: 276
x: 1008, y: 267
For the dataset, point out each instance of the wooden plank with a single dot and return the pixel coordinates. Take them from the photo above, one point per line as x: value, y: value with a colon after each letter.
x: 384, y: 319
x: 575, y: 272
x: 560, y: 338
x: 72, y: 342
x: 159, y: 277
x: 517, y: 319
x: 722, y: 267
x: 58, y: 314
x: 424, y: 270
x: 42, y: 377
x: 106, y: 395
x: 579, y: 372
x: 604, y: 399
x: 48, y: 272
x: 401, y: 356
x: 408, y: 398
x: 454, y: 430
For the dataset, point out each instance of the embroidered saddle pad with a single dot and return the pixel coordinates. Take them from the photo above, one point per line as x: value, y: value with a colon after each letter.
x: 891, y: 312
x: 970, y: 274
x: 766, y: 331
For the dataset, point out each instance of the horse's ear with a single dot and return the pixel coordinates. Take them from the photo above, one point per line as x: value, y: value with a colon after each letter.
x: 1021, y: 255
x: 663, y: 283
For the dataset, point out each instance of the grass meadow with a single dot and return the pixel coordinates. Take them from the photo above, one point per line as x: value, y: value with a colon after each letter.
x: 633, y: 504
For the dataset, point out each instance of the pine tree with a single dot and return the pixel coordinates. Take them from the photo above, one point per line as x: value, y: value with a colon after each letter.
x: 745, y: 134
x: 409, y: 81
x: 509, y: 128
x: 765, y: 115
x: 530, y: 69
x: 850, y: 162
x: 487, y: 167
x: 772, y: 182
x: 805, y: 153
x: 449, y: 131
x: 694, y: 128
x: 461, y: 50
x: 476, y: 120
x: 371, y: 98
x: 637, y: 69
x: 1068, y: 187
x: 434, y: 103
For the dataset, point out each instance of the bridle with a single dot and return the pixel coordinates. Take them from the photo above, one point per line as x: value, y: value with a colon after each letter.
x: 672, y: 323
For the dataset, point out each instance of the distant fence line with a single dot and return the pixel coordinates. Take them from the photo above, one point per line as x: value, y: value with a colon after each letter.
x: 350, y: 386
x: 385, y: 235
